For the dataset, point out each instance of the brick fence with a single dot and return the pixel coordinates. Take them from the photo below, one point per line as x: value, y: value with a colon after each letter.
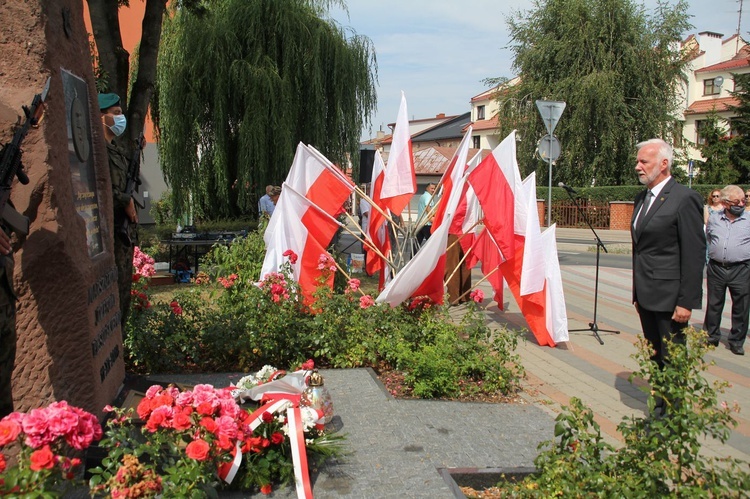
x: 620, y: 214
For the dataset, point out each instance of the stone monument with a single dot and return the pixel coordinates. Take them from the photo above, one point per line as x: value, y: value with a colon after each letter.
x: 68, y: 321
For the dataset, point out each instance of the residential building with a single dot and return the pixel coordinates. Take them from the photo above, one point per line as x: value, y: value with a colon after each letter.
x: 707, y: 87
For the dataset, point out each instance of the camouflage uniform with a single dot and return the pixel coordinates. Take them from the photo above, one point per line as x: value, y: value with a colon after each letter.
x: 118, y: 170
x: 7, y: 333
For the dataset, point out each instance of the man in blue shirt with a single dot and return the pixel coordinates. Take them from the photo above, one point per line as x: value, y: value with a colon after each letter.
x: 728, y: 235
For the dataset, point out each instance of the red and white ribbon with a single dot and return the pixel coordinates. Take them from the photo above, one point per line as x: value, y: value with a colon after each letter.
x: 299, y: 453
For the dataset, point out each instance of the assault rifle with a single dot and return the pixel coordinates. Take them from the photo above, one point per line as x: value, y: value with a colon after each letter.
x: 11, y: 166
x: 133, y: 180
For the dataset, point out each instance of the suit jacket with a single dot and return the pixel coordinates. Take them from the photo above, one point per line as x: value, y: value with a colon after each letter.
x: 669, y: 250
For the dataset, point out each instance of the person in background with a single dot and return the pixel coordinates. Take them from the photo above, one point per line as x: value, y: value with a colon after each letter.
x: 427, y: 199
x: 728, y: 234
x: 669, y: 252
x: 747, y: 200
x: 274, y: 196
x: 113, y: 125
x: 713, y: 205
x: 265, y: 205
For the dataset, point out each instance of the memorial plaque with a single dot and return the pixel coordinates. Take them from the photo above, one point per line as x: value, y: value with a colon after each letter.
x: 82, y: 171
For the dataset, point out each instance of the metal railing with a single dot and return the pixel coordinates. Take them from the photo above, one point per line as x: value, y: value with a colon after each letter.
x: 565, y: 214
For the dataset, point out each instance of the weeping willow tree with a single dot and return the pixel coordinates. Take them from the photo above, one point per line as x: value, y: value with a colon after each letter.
x: 241, y: 84
x: 616, y: 65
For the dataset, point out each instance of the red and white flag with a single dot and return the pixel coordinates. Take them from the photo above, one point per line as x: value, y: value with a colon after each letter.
x: 424, y: 274
x: 494, y: 188
x: 305, y: 229
x: 532, y: 269
x: 486, y: 251
x: 557, y: 317
x: 319, y: 180
x: 400, y: 182
x: 376, y: 229
x: 451, y: 177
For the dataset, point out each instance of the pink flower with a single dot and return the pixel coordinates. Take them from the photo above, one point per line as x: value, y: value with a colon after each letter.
x: 292, y: 256
x: 354, y: 284
x: 477, y: 295
x: 366, y: 302
x: 2, y: 463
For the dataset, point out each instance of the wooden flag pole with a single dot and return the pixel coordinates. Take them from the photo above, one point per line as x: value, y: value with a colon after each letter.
x: 484, y: 278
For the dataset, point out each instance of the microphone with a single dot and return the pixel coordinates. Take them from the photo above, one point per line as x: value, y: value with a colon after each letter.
x: 568, y: 188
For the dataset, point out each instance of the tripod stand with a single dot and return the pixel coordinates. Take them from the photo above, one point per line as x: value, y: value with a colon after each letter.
x: 593, y: 326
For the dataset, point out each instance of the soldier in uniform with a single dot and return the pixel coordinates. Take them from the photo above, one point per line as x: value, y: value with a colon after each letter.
x: 7, y: 323
x: 113, y: 124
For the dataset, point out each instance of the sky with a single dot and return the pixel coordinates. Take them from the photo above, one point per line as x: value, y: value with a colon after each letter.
x: 439, y: 51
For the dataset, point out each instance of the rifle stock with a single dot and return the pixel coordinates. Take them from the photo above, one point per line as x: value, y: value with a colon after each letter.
x: 11, y: 166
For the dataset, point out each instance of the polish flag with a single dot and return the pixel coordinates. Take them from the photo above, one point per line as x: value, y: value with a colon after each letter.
x: 319, y: 180
x: 451, y: 177
x: 400, y: 182
x: 532, y: 269
x: 494, y: 183
x: 557, y: 317
x: 424, y: 274
x: 472, y: 213
x: 376, y: 229
x: 304, y: 228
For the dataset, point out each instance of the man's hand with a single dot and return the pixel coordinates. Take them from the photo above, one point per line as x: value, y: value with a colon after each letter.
x: 131, y: 213
x: 5, y: 247
x: 681, y: 314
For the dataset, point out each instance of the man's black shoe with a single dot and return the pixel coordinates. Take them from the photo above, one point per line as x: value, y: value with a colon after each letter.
x: 737, y: 350
x: 713, y: 342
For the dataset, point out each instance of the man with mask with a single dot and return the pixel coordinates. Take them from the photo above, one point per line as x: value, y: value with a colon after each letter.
x: 728, y: 235
x: 113, y: 125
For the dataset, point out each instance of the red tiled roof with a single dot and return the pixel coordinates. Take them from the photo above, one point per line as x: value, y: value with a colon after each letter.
x: 485, y: 124
x: 726, y: 65
x: 708, y: 105
x: 434, y: 160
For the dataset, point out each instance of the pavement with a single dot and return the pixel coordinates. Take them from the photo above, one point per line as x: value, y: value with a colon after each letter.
x: 402, y: 448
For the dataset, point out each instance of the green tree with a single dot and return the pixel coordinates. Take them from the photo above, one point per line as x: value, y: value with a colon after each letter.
x: 242, y: 84
x: 717, y: 167
x: 739, y: 153
x: 616, y: 67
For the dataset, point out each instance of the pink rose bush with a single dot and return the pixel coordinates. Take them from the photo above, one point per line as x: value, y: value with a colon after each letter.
x: 46, y: 438
x: 143, y: 265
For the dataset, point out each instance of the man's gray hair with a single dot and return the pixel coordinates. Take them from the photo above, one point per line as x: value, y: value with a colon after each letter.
x: 664, y: 152
x: 732, y: 189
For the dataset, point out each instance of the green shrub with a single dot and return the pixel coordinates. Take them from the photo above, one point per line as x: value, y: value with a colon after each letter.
x: 660, y: 456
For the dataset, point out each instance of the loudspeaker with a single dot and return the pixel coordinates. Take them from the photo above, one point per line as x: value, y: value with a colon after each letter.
x: 366, y: 159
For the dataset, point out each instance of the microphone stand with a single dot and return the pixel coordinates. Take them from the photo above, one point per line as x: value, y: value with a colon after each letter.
x: 593, y: 326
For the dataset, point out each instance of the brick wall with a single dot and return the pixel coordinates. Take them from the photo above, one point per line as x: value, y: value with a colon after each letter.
x: 620, y: 215
x: 542, y: 214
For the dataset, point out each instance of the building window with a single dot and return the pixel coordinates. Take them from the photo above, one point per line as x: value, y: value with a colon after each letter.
x: 710, y: 87
x: 480, y: 112
x: 699, y: 126
x: 733, y: 132
x: 476, y: 141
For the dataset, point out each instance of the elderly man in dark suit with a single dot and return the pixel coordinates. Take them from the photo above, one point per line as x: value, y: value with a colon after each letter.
x: 669, y: 250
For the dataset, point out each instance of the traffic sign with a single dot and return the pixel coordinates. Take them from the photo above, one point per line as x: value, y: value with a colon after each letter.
x: 548, y: 148
x: 551, y: 110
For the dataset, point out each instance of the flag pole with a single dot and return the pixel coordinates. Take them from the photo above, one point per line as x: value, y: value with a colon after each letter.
x: 369, y: 245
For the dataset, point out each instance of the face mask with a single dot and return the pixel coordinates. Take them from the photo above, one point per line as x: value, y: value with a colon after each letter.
x: 736, y: 211
x: 118, y: 128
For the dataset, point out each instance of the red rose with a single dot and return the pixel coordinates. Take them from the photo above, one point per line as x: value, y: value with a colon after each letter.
x: 277, y: 438
x: 198, y: 450
x: 209, y: 424
x: 266, y: 489
x: 2, y: 463
x: 42, y: 459
x: 267, y: 417
x: 9, y: 431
